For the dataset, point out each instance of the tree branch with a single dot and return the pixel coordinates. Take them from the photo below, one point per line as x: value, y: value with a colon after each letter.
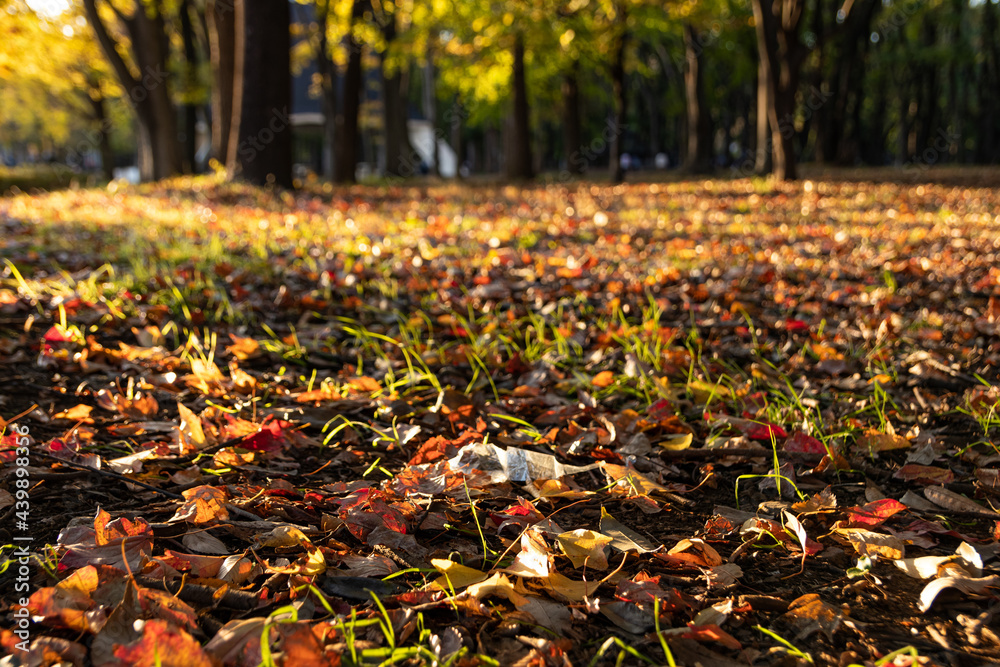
x: 109, y: 46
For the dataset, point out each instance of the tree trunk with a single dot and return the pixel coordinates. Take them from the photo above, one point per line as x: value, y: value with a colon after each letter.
x: 100, y: 111
x: 345, y: 161
x: 397, y: 143
x: 519, y: 163
x: 149, y: 94
x: 620, y: 96
x: 431, y: 111
x: 698, y: 158
x: 190, y: 108
x: 328, y: 86
x: 762, y: 157
x: 222, y: 38
x: 264, y: 149
x: 576, y: 163
x: 782, y: 53
x: 989, y: 119
x: 454, y: 119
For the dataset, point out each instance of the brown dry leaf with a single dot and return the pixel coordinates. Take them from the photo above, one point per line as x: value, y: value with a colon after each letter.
x: 948, y: 499
x: 824, y: 501
x: 697, y: 552
x: 191, y: 435
x: 243, y: 348
x: 283, y: 537
x: 868, y: 543
x: 206, y: 377
x: 242, y: 381
x: 622, y: 537
x: 876, y: 441
x: 364, y: 385
x: 630, y: 480
x: 969, y: 585
x: 311, y: 564
x: 204, y: 504
x: 236, y: 638
x: 809, y: 614
x: 68, y: 603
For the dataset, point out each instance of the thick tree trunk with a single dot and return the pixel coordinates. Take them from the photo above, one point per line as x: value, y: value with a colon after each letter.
x: 519, y: 163
x: 782, y: 52
x: 100, y: 111
x: 328, y: 87
x: 699, y: 140
x: 221, y: 17
x: 576, y: 163
x: 149, y: 94
x: 345, y: 161
x: 397, y: 143
x: 190, y: 107
x: 264, y: 149
x: 989, y: 118
x: 620, y: 97
x: 762, y: 156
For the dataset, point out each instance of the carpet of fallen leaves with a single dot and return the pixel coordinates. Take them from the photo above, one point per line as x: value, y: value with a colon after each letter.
x: 714, y: 422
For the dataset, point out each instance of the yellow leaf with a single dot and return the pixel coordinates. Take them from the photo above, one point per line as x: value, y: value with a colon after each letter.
x: 283, y: 536
x: 568, y: 590
x: 585, y: 548
x: 677, y: 441
x: 868, y: 543
x: 876, y: 441
x: 630, y: 479
x: 78, y: 413
x: 456, y: 576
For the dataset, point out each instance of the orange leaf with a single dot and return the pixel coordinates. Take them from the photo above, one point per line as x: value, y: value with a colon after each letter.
x: 603, y: 379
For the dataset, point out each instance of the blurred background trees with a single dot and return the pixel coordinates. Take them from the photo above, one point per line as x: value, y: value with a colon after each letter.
x: 349, y: 89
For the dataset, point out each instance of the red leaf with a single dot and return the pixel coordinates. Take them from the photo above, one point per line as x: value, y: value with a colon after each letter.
x: 800, y: 442
x: 874, y: 513
x: 766, y: 432
x: 912, y: 472
x: 710, y: 632
x: 163, y: 645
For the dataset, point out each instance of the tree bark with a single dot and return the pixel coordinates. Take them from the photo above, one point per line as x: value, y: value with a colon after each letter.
x: 345, y: 162
x: 519, y: 162
x: 576, y: 163
x: 698, y: 158
x: 190, y: 108
x: 620, y: 95
x: 100, y: 110
x: 222, y: 38
x: 397, y: 143
x: 454, y: 119
x: 264, y: 149
x: 762, y: 158
x: 782, y: 52
x: 149, y: 94
x: 989, y: 118
x: 431, y: 110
